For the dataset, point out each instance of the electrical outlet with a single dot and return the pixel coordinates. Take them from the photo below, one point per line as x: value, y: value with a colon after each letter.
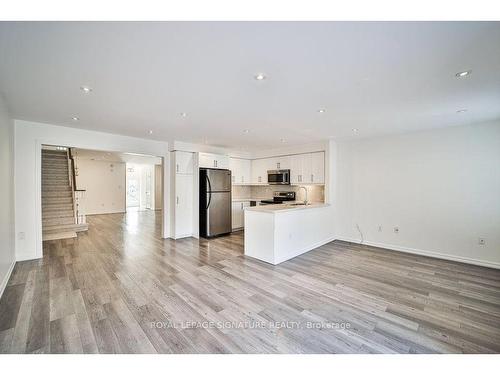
x: 396, y: 229
x: 482, y: 241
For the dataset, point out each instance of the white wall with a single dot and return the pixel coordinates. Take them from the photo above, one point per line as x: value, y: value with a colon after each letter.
x: 7, y: 246
x: 440, y: 187
x: 29, y: 136
x: 104, y: 183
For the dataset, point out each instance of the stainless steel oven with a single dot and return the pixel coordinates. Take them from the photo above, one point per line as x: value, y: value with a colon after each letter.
x: 278, y: 177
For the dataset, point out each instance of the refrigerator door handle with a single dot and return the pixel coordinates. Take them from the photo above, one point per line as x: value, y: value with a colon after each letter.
x: 210, y: 192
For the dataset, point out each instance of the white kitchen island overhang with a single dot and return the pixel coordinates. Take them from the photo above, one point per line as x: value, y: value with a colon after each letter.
x: 276, y: 233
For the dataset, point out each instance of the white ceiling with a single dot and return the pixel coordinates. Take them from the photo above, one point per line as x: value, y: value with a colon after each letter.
x: 377, y: 77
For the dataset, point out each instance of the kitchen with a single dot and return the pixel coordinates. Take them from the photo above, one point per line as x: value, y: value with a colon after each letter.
x: 216, y: 194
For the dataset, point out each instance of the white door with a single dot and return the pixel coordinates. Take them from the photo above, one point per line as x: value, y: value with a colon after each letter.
x: 259, y: 171
x: 245, y: 171
x: 296, y: 173
x: 183, y: 162
x: 183, y: 205
x: 237, y: 215
x: 318, y: 168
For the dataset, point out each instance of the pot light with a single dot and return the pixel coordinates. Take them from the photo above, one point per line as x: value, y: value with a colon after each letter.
x: 322, y: 110
x: 463, y: 74
x: 86, y: 89
x: 150, y: 132
x: 461, y: 111
x: 355, y: 130
x: 260, y: 77
x: 282, y: 140
x: 183, y: 114
x: 75, y: 118
x: 246, y: 131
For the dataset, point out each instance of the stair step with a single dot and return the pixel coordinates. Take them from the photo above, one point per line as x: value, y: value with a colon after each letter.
x: 58, y: 236
x: 54, y: 154
x: 51, y: 221
x: 65, y: 228
x: 57, y: 213
x: 56, y: 200
x: 55, y: 182
x: 56, y: 194
x: 56, y: 207
x: 56, y: 188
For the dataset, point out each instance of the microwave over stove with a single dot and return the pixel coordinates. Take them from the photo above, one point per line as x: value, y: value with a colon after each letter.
x: 278, y: 177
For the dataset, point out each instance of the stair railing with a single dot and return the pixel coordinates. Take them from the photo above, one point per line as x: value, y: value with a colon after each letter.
x: 77, y: 194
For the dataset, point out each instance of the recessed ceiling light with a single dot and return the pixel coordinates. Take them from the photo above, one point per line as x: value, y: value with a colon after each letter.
x: 150, y: 132
x: 461, y: 111
x: 75, y: 118
x: 463, y: 74
x: 321, y: 110
x: 246, y: 131
x: 355, y: 130
x: 86, y: 89
x: 260, y: 76
x: 184, y: 114
x: 282, y: 140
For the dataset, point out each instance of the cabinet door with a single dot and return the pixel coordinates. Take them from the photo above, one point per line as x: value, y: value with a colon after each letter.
x: 306, y: 175
x: 245, y: 205
x: 318, y: 167
x: 237, y: 215
x: 206, y: 160
x: 282, y: 162
x: 183, y: 205
x: 245, y: 171
x: 183, y: 162
x: 259, y: 171
x: 235, y: 168
x: 221, y: 161
x: 296, y: 173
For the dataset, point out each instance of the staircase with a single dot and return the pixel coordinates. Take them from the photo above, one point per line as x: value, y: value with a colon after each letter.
x: 58, y: 215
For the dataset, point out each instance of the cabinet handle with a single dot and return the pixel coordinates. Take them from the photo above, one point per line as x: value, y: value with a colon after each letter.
x: 177, y: 200
x: 312, y: 178
x: 278, y: 165
x: 260, y: 178
x: 242, y: 178
x: 177, y: 168
x: 241, y: 205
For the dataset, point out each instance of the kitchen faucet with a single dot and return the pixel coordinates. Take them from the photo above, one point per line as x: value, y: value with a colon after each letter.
x: 305, y: 189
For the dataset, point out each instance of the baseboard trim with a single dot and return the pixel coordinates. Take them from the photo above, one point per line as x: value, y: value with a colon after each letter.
x: 426, y: 253
x: 6, y: 278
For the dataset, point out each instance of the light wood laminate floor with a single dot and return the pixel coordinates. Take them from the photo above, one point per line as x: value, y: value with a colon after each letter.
x: 120, y: 288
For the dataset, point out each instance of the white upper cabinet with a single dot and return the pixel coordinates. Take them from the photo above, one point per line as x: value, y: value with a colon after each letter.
x: 183, y: 162
x: 213, y: 161
x: 282, y: 162
x: 296, y: 173
x: 240, y: 171
x: 307, y: 168
x: 259, y: 171
x: 318, y: 168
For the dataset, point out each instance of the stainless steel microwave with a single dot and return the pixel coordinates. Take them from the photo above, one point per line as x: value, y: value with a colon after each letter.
x: 278, y: 177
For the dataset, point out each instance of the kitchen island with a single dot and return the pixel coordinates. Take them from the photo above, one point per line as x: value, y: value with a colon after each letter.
x: 278, y: 232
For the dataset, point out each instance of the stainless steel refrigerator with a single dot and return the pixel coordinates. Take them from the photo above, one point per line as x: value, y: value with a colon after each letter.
x: 215, y: 202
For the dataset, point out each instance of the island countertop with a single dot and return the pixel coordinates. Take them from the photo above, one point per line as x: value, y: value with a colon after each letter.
x: 285, y: 207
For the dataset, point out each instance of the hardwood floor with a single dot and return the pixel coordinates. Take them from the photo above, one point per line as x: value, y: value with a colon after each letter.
x: 120, y: 288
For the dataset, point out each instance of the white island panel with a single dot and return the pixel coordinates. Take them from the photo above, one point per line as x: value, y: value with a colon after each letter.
x: 275, y: 236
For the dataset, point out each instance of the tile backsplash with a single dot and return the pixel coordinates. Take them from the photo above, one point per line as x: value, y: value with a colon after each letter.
x: 316, y: 193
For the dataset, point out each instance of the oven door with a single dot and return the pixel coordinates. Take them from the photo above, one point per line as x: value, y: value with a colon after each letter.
x: 278, y: 177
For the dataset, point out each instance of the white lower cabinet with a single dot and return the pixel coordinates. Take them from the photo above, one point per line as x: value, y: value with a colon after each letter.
x: 183, y: 206
x: 238, y: 214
